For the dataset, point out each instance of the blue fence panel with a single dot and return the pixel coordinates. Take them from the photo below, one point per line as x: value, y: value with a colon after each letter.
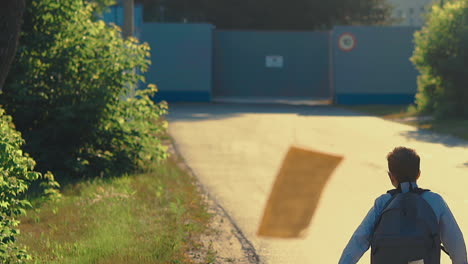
x: 192, y: 62
x: 377, y: 70
x: 181, y: 57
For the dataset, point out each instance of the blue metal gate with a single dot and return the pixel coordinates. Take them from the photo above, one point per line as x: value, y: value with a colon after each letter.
x: 271, y: 64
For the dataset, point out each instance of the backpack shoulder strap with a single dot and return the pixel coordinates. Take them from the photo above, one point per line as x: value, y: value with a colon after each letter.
x: 393, y: 192
x: 420, y: 191
x: 413, y: 190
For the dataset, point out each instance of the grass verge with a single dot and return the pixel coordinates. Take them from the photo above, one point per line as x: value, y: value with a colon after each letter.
x: 403, y: 113
x: 152, y: 217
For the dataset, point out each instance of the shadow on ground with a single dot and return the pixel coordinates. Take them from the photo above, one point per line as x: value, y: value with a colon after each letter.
x: 217, y: 111
x: 438, y: 138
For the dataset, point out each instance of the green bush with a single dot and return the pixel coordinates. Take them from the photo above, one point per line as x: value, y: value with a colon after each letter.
x: 130, y: 137
x: 441, y: 56
x: 66, y: 88
x: 16, y: 175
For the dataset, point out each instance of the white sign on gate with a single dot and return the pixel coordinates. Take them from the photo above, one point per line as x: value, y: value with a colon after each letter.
x: 274, y: 61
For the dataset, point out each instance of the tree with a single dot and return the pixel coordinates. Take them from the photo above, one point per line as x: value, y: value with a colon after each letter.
x: 16, y: 167
x: 441, y: 56
x: 66, y: 93
x: 270, y: 14
x: 11, y: 15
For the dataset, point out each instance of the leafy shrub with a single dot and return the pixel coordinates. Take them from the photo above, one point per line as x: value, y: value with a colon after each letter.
x: 16, y: 175
x: 66, y: 88
x: 129, y: 137
x: 441, y: 56
x: 100, y: 6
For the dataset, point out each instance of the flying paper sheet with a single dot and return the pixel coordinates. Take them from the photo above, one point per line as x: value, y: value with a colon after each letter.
x: 296, y: 192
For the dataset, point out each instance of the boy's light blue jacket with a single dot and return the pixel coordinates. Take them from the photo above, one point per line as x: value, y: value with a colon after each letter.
x: 450, y: 234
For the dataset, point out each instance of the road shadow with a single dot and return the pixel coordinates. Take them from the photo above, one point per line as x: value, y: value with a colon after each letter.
x: 433, y: 137
x: 217, y: 111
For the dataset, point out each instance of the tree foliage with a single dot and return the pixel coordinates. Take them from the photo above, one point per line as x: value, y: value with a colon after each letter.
x: 99, y: 6
x: 441, y: 56
x: 10, y: 25
x: 270, y: 14
x: 66, y: 93
x: 16, y: 175
x: 16, y: 167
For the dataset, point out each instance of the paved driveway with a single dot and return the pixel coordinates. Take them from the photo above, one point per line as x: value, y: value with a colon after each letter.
x: 236, y: 150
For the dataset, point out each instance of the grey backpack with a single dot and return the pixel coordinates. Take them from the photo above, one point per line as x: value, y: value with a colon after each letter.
x: 407, y: 231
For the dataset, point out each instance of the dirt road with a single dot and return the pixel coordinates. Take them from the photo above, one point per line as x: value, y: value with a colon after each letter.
x: 236, y: 150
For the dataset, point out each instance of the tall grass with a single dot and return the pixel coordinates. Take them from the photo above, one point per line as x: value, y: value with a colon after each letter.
x: 152, y: 217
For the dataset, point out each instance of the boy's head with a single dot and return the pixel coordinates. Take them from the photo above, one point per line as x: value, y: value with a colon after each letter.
x: 403, y: 165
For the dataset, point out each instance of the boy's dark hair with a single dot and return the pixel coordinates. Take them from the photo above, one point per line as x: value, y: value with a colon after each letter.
x: 403, y: 163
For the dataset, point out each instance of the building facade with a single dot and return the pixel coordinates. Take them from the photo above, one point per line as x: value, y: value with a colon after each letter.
x: 410, y: 12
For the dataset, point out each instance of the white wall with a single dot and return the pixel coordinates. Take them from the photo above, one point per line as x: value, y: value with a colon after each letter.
x: 410, y: 11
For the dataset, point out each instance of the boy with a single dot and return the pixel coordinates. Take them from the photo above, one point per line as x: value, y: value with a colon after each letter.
x: 379, y: 225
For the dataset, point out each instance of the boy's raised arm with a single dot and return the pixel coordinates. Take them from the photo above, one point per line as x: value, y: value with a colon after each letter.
x: 360, y: 241
x: 452, y: 237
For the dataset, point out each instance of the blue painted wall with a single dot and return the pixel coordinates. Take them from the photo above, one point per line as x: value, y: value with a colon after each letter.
x: 115, y: 15
x: 240, y: 64
x: 377, y: 70
x: 194, y: 62
x: 181, y: 60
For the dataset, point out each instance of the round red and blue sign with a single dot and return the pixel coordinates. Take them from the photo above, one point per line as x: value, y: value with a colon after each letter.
x: 347, y: 42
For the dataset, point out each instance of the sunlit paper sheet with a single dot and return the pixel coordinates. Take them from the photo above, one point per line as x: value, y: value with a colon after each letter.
x: 296, y: 192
